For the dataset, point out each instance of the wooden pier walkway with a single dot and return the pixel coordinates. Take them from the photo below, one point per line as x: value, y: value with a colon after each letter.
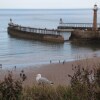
x: 49, y: 35
x: 71, y: 26
x: 35, y: 30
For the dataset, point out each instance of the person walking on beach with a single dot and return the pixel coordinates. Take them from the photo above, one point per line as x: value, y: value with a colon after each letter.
x: 59, y: 61
x: 1, y: 66
x: 63, y: 62
x: 50, y: 61
x: 15, y: 67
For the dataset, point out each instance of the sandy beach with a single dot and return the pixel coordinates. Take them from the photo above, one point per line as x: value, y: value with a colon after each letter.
x: 57, y: 73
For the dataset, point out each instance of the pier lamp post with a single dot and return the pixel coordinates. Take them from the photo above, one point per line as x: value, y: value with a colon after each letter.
x: 61, y: 21
x: 95, y: 17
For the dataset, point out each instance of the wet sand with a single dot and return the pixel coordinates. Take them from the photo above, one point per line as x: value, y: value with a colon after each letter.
x: 57, y: 73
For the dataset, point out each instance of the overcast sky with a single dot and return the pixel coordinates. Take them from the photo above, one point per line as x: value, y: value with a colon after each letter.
x: 50, y: 4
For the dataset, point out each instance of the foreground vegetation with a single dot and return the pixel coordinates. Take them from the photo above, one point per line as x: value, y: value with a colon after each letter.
x: 84, y: 85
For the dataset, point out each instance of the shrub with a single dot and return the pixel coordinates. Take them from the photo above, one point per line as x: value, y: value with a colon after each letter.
x: 85, y: 83
x: 10, y: 89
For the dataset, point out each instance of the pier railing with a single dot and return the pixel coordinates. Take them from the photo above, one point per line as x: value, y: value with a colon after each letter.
x: 34, y: 30
x: 77, y: 25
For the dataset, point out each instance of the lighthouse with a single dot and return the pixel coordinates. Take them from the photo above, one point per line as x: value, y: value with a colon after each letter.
x: 95, y: 9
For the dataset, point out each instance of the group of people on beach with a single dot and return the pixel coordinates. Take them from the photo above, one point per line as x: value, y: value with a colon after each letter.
x: 59, y: 62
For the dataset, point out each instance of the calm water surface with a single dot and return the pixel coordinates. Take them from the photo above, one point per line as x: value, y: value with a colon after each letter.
x: 22, y: 53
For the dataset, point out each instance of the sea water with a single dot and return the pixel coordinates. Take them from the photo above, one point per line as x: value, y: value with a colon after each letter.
x: 22, y: 52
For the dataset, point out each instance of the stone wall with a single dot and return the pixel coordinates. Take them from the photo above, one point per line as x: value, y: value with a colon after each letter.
x: 85, y: 34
